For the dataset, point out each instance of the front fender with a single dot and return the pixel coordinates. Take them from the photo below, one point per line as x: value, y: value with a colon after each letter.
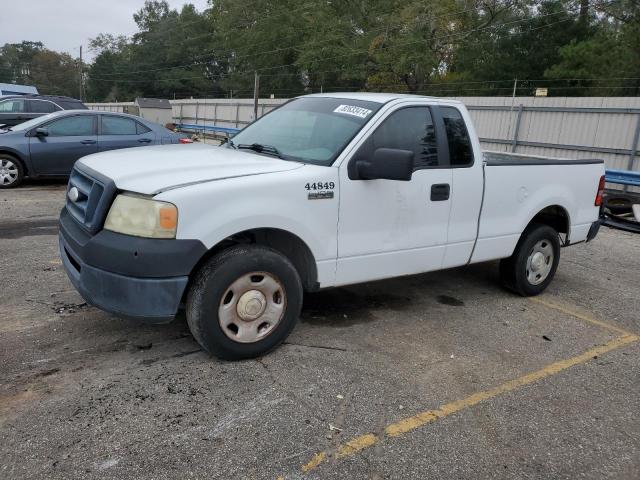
x: 213, y: 211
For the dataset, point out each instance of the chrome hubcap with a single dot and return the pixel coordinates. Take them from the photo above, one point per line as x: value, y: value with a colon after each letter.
x: 539, y: 262
x: 8, y: 172
x: 252, y: 307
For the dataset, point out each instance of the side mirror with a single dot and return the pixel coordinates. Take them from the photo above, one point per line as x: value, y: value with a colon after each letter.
x: 42, y: 132
x: 387, y: 164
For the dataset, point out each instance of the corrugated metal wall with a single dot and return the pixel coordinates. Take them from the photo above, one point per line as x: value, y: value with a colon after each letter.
x: 571, y: 127
x: 220, y: 112
x: 117, y: 107
x: 600, y: 127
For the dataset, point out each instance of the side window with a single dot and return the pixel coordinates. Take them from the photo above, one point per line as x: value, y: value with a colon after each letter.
x: 410, y: 129
x: 72, y: 126
x: 39, y: 106
x: 118, y: 126
x: 12, y: 106
x: 141, y: 129
x: 460, y: 149
x: 72, y: 105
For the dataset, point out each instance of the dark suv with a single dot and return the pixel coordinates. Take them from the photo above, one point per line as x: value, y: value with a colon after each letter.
x: 16, y: 109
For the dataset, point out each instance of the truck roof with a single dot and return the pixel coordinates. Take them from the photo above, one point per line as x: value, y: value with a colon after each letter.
x: 370, y: 96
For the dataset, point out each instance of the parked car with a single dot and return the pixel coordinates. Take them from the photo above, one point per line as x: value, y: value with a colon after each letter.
x: 15, y: 109
x: 50, y: 145
x: 324, y: 191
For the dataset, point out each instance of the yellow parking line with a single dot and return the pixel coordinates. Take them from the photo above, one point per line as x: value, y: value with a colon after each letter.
x: 411, y: 423
x: 580, y: 316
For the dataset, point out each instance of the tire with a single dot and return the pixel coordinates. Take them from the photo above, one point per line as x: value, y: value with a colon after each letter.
x: 527, y: 273
x: 11, y: 171
x: 618, y: 204
x: 244, y: 302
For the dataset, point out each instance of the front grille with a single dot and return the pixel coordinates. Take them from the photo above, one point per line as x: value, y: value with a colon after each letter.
x: 94, y: 195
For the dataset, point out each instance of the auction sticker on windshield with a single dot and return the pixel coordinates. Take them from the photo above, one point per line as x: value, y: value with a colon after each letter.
x: 353, y: 110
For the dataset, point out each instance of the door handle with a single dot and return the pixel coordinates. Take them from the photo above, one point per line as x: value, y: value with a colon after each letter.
x: 144, y: 140
x: 88, y: 142
x: 440, y: 192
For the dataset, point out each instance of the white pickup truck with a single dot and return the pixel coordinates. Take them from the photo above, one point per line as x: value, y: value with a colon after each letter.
x: 326, y: 190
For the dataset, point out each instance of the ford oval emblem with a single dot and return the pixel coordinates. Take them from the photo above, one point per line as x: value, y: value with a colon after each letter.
x: 73, y: 194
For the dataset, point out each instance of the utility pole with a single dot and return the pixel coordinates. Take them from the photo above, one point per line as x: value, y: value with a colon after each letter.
x: 256, y: 92
x: 80, y: 78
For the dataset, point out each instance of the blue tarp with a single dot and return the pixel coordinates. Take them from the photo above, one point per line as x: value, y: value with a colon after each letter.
x: 12, y: 89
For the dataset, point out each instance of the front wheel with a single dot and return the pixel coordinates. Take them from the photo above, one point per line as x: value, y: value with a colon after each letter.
x: 534, y: 262
x: 11, y: 172
x: 244, y: 302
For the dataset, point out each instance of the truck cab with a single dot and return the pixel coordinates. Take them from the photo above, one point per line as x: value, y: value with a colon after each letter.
x: 327, y: 190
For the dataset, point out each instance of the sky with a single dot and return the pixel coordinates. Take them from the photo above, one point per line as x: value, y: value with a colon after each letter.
x: 64, y: 25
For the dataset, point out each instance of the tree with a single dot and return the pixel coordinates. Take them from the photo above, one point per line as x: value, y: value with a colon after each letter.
x: 15, y: 61
x: 31, y: 63
x: 523, y: 44
x: 260, y: 37
x: 609, y: 62
x: 441, y: 47
x: 164, y: 59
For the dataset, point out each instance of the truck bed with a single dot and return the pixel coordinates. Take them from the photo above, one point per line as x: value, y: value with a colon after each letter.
x: 518, y: 187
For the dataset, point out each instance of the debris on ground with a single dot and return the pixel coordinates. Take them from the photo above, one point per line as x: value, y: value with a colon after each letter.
x: 67, y: 308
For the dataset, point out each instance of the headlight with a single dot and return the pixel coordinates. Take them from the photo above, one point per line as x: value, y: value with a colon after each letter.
x: 143, y: 217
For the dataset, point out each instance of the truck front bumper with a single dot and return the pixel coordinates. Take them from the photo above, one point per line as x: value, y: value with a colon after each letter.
x: 128, y: 276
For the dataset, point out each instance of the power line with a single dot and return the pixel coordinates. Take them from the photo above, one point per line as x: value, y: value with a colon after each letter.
x: 210, y: 34
x: 358, y: 51
x: 290, y: 47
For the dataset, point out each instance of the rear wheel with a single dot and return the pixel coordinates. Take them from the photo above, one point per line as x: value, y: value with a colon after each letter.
x: 244, y: 302
x: 534, y: 262
x: 11, y: 172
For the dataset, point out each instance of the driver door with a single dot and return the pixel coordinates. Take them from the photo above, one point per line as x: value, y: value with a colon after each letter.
x: 69, y: 138
x: 389, y: 228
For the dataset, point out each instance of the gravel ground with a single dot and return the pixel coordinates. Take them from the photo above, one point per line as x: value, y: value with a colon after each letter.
x: 84, y: 394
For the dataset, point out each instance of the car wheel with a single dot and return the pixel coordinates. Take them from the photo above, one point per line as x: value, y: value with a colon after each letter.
x: 244, y: 302
x: 534, y: 262
x: 11, y: 172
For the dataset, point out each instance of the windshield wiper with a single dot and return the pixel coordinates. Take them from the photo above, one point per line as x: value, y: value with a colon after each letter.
x: 259, y: 148
x: 231, y: 144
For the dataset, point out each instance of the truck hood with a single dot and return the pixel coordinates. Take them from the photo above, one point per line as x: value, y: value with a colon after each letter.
x: 151, y: 170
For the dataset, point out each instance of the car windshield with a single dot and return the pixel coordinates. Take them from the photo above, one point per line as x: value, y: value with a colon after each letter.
x: 32, y: 123
x: 309, y: 129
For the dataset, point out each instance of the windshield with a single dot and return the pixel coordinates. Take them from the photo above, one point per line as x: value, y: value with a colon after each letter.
x: 309, y: 129
x: 32, y: 123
